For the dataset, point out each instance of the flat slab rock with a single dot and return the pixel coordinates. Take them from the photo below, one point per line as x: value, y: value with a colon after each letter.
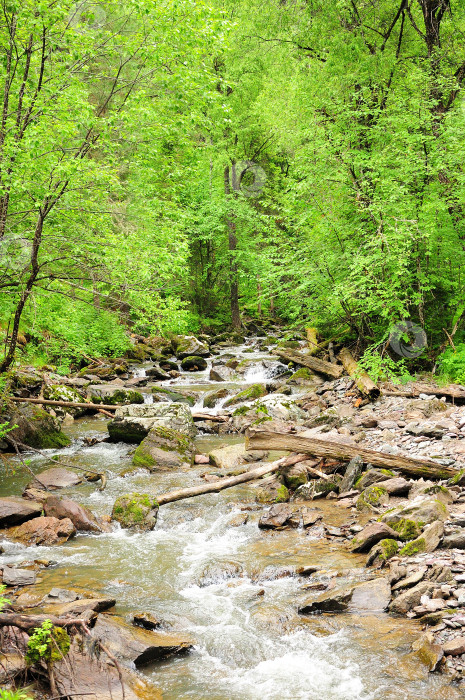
x: 133, y: 645
x: 371, y: 595
x: 14, y: 511
x: 77, y: 607
x: 79, y: 674
x: 55, y: 478
x: 18, y: 577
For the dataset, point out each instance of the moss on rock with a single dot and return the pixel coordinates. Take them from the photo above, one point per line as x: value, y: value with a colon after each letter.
x: 407, y: 529
x: 372, y: 497
x: 135, y: 510
x: 415, y: 547
x: 256, y: 391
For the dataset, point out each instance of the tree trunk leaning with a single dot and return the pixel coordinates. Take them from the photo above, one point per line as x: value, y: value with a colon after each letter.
x: 360, y: 377
x: 227, y: 482
x: 257, y: 439
x: 313, y: 363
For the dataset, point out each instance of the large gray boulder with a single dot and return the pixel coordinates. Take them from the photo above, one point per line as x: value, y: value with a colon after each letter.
x: 133, y: 423
x: 114, y: 395
x: 423, y: 510
x: 188, y: 345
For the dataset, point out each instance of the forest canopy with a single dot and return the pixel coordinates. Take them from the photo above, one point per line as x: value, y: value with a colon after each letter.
x: 180, y: 166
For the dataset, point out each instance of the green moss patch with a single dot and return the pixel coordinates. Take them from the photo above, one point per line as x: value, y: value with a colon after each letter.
x: 407, y: 529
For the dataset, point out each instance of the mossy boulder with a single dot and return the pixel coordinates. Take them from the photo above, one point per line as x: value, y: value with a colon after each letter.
x: 422, y: 512
x: 294, y: 476
x: 407, y: 529
x: 133, y: 423
x: 163, y: 449
x: 371, y: 498
x: 135, y: 510
x: 302, y: 375
x: 162, y: 393
x: 194, y: 363
x: 253, y: 392
x: 114, y: 395
x: 427, y: 542
x: 189, y: 345
x: 35, y: 427
x: 212, y: 397
x: 458, y: 479
x: 381, y: 552
x: 272, y: 490
x: 61, y: 392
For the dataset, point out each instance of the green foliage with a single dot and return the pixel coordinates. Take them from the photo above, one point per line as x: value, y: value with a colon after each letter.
x: 47, y: 643
x: 14, y: 695
x: 452, y: 363
x: 383, y: 367
x: 3, y: 601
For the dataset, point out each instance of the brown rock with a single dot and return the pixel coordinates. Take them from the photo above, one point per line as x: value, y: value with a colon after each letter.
x: 43, y: 530
x: 55, y: 478
x: 397, y: 486
x: 411, y: 598
x: 371, y: 595
x: 372, y: 534
x: 77, y: 607
x: 133, y: 645
x: 454, y: 647
x: 276, y: 516
x: 429, y: 651
x: 335, y: 600
x: 82, y: 518
x: 14, y: 511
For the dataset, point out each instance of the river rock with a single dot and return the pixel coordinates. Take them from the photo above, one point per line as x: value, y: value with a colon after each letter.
x: 371, y: 595
x: 423, y: 511
x: 382, y: 551
x: 133, y: 423
x: 135, y: 510
x: 429, y: 651
x: 371, y: 535
x: 158, y: 373
x: 371, y: 498
x: 61, y: 392
x: 410, y: 598
x: 276, y: 516
x: 14, y: 511
x: 18, y: 577
x: 81, y: 674
x: 397, y: 486
x: 114, y: 395
x: 55, y: 478
x: 194, y: 363
x: 134, y: 645
x: 294, y: 475
x: 454, y: 541
x: 351, y: 474
x: 211, y: 398
x: 335, y: 600
x: 34, y: 427
x: 229, y: 457
x: 271, y: 490
x: 78, y: 606
x: 454, y: 647
x: 189, y: 345
x: 218, y: 572
x: 251, y: 393
x: 427, y: 542
x: 43, y: 530
x: 164, y: 449
x: 163, y: 393
x: 370, y: 477
x: 82, y: 518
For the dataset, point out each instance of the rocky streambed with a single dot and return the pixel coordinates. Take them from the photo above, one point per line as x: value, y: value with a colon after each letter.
x: 296, y: 586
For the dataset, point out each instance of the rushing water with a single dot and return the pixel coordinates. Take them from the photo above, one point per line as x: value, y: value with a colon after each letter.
x: 249, y: 641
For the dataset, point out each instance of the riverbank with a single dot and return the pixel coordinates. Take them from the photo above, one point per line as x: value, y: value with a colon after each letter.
x: 252, y: 599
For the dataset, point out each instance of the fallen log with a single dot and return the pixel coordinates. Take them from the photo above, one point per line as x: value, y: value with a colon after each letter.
x: 257, y: 439
x: 360, y: 377
x: 30, y: 622
x: 227, y: 482
x: 450, y: 392
x: 72, y: 404
x: 312, y: 363
x: 211, y: 416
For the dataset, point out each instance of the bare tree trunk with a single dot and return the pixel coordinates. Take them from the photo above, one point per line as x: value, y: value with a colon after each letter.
x: 259, y: 439
x: 34, y: 264
x: 232, y: 244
